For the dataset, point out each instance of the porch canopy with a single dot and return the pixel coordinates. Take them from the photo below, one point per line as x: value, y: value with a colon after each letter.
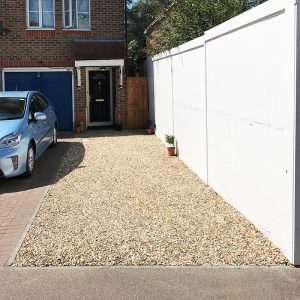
x: 99, y: 53
x: 100, y: 63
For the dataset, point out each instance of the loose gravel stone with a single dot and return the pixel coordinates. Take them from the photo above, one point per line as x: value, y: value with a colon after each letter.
x: 119, y: 199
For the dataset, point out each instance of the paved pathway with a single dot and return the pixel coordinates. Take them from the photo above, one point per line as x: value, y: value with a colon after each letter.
x: 20, y: 199
x: 16, y: 209
x: 150, y: 283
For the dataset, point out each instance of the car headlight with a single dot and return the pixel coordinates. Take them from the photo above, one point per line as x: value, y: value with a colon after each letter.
x: 10, y: 140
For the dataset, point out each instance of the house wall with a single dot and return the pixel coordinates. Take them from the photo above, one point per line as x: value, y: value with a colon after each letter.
x: 229, y: 98
x: 26, y: 48
x: 23, y: 45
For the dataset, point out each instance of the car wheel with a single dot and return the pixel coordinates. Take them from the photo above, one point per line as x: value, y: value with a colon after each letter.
x: 30, y: 161
x: 54, y: 139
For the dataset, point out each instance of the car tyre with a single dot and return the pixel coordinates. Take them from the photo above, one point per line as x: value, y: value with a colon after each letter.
x: 54, y: 142
x: 30, y: 161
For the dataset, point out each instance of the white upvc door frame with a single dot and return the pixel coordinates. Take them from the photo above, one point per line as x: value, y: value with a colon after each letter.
x: 95, y: 124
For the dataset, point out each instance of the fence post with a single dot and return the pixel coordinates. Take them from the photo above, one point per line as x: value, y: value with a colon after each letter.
x: 296, y: 204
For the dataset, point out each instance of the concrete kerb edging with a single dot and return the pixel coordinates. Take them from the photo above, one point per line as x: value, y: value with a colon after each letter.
x: 120, y: 267
x: 21, y: 240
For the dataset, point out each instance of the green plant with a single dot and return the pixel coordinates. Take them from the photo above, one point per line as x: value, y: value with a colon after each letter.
x: 170, y: 139
x: 189, y: 19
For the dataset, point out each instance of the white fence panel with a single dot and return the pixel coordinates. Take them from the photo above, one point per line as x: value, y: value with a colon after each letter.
x: 250, y: 85
x: 229, y: 98
x: 190, y: 109
x: 163, y: 97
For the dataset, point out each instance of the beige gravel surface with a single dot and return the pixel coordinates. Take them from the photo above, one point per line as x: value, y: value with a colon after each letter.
x: 120, y: 200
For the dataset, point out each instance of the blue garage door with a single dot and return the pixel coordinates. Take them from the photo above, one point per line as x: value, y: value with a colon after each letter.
x: 56, y: 86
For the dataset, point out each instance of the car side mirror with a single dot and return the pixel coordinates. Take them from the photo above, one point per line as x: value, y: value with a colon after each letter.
x: 39, y: 116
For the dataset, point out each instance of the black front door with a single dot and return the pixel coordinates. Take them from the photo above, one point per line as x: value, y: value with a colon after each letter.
x: 100, y: 106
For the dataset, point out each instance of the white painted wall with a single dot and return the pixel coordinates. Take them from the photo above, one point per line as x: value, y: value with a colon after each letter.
x: 190, y: 109
x: 229, y: 98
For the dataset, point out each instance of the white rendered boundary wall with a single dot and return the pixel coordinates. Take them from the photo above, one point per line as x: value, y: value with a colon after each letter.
x: 230, y: 97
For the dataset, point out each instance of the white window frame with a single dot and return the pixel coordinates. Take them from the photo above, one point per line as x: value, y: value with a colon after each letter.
x: 71, y: 16
x: 40, y: 17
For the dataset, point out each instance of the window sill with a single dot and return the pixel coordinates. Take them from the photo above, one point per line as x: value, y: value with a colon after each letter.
x: 75, y: 29
x: 40, y: 33
x: 77, y: 32
x: 40, y: 29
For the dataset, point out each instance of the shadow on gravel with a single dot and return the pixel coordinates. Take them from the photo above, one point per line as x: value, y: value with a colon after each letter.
x: 47, y: 169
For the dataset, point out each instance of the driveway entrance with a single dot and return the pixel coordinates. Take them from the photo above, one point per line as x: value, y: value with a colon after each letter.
x: 128, y: 203
x: 20, y: 200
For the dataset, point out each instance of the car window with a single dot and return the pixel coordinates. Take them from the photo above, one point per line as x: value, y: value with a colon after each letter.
x: 35, y: 106
x: 44, y: 101
x: 12, y: 108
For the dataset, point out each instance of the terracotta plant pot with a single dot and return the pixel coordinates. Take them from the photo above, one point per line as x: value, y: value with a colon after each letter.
x: 78, y: 130
x: 150, y: 131
x: 171, y: 151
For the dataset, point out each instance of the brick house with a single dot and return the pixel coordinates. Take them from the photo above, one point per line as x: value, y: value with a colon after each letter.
x: 74, y: 51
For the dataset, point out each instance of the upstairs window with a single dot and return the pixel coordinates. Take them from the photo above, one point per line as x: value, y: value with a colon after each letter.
x: 77, y: 14
x: 40, y: 13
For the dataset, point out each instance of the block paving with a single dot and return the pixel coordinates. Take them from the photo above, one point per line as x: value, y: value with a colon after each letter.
x: 16, y: 210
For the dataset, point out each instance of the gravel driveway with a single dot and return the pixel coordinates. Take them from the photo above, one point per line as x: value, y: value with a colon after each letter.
x: 128, y: 203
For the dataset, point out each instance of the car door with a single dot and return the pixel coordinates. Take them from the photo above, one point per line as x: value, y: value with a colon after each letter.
x: 36, y: 128
x: 45, y: 128
x: 47, y: 110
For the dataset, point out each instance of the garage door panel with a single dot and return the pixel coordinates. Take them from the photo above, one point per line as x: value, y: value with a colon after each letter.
x: 56, y: 86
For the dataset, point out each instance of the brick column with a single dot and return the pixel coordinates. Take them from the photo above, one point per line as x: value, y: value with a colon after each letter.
x: 80, y: 99
x: 121, y: 103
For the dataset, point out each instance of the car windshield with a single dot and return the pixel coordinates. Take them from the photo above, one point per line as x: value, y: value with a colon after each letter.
x: 12, y: 108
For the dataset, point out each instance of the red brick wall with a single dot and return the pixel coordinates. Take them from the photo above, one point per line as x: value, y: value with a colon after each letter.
x: 121, y: 104
x: 80, y: 103
x: 107, y: 21
x: 53, y: 48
